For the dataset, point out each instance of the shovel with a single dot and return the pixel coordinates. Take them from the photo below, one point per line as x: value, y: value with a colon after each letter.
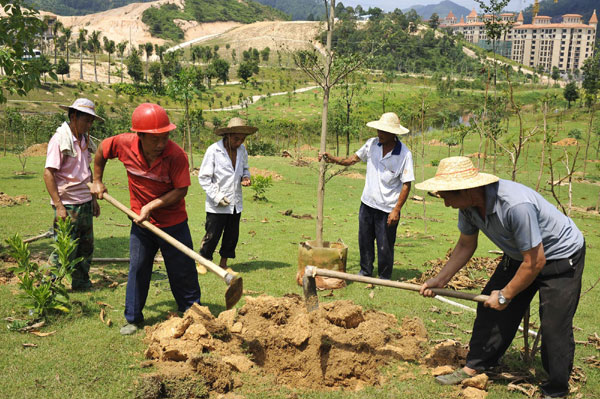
x: 311, y: 299
x: 235, y: 284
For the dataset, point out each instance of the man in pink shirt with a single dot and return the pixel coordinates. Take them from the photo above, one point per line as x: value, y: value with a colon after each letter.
x: 66, y: 175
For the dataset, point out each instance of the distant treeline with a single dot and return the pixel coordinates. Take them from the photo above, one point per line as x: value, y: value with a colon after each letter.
x: 396, y: 44
x: 160, y: 20
x: 299, y: 10
x: 79, y: 7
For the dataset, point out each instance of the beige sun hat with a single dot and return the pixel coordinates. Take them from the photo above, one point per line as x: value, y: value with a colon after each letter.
x: 83, y: 105
x: 236, y: 125
x: 389, y: 122
x: 456, y: 173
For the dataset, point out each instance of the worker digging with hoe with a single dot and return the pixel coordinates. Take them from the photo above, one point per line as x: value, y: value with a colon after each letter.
x: 544, y: 252
x: 158, y: 176
x: 388, y: 181
x: 66, y: 174
x: 223, y: 172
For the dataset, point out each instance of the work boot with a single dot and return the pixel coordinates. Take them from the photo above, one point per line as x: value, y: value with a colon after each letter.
x: 129, y: 328
x: 454, y: 378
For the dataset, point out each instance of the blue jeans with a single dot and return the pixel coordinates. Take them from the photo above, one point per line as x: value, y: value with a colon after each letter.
x: 181, y: 269
x: 372, y: 225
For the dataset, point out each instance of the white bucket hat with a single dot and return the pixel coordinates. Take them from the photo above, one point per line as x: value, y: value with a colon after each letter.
x: 389, y: 122
x: 83, y: 105
x: 236, y: 125
x: 456, y: 173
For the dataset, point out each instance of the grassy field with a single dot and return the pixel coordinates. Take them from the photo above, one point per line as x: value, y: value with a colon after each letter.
x: 89, y: 360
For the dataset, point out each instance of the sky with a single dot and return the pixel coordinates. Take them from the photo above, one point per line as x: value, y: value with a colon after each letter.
x: 388, y: 5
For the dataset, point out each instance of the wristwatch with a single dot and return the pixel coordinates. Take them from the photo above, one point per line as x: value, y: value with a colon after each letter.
x: 502, y: 299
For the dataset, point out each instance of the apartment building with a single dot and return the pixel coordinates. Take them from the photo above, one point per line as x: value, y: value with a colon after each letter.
x: 565, y: 45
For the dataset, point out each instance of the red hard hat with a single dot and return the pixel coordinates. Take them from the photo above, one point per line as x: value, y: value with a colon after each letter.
x: 150, y: 118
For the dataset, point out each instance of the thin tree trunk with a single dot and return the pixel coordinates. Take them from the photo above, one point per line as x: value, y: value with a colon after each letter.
x: 589, y: 139
x: 323, y: 146
x: 108, y: 68
x: 121, y: 68
x: 423, y: 161
x: 95, y: 72
x: 81, y: 64
x: 545, y: 113
x: 189, y: 133
x: 69, y: 71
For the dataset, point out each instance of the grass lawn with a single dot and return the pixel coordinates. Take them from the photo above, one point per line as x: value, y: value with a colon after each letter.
x: 90, y: 360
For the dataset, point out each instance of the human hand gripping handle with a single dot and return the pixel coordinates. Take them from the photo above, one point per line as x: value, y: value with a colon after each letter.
x: 235, y: 283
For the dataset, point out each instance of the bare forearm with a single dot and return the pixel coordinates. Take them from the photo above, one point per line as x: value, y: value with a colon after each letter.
x: 403, y: 196
x: 99, y: 164
x: 460, y: 256
x: 51, y: 187
x: 534, y: 261
x: 167, y: 199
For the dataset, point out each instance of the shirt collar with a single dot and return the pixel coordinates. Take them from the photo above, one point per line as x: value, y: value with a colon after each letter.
x: 491, y: 193
x: 397, y: 147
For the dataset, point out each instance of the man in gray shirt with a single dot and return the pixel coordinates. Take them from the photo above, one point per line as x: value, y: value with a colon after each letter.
x: 543, y: 251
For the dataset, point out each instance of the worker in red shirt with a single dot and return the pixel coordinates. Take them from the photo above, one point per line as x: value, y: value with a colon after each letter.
x: 158, y: 175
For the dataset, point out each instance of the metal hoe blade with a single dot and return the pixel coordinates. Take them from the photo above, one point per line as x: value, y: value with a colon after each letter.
x: 234, y: 291
x: 309, y: 286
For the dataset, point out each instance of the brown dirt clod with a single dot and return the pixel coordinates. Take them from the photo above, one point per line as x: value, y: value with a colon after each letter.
x: 338, y: 346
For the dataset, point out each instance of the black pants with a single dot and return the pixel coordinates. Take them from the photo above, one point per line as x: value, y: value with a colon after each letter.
x: 559, y: 285
x: 372, y: 225
x: 218, y: 224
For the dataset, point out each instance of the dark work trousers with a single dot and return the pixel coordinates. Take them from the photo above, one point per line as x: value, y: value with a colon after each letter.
x: 218, y: 224
x: 372, y: 225
x: 559, y: 285
x: 181, y: 269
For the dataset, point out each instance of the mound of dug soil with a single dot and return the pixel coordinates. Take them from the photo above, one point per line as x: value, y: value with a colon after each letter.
x: 7, y: 200
x: 339, y: 346
x: 36, y: 150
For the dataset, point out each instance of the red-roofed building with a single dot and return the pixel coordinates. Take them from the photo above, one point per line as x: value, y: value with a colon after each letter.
x: 565, y: 45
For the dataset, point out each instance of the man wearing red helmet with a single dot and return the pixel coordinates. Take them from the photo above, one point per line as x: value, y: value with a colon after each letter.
x: 158, y: 175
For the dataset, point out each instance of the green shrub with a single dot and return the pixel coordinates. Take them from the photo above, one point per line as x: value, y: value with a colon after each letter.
x: 260, y: 185
x: 575, y: 133
x: 43, y: 285
x: 255, y: 147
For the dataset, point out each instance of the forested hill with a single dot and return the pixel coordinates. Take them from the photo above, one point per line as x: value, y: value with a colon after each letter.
x: 299, y: 10
x: 160, y: 20
x: 79, y: 7
x: 442, y: 9
x: 557, y: 10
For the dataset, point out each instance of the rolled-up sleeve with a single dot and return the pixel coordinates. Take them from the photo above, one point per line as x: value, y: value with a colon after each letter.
x: 465, y: 226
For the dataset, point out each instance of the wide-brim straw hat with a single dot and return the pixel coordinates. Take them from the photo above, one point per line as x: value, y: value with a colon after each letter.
x: 83, y: 105
x: 456, y: 173
x: 389, y: 122
x: 236, y: 125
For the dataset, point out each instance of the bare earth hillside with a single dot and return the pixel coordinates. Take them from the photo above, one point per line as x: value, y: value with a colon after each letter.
x: 125, y: 23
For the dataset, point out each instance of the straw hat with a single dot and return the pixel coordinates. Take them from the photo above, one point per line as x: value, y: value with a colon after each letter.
x: 236, y: 125
x: 389, y: 122
x: 83, y: 105
x: 456, y: 173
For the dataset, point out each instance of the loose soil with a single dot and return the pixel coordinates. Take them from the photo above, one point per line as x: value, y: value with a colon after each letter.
x: 338, y: 346
x: 265, y: 173
x: 566, y: 142
x: 7, y: 200
x: 473, y: 276
x: 36, y: 150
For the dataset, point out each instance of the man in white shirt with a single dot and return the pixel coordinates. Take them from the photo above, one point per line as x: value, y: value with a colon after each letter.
x: 388, y: 181
x: 223, y: 172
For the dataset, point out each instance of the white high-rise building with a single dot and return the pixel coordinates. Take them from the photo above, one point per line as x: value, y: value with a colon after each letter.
x: 565, y: 45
